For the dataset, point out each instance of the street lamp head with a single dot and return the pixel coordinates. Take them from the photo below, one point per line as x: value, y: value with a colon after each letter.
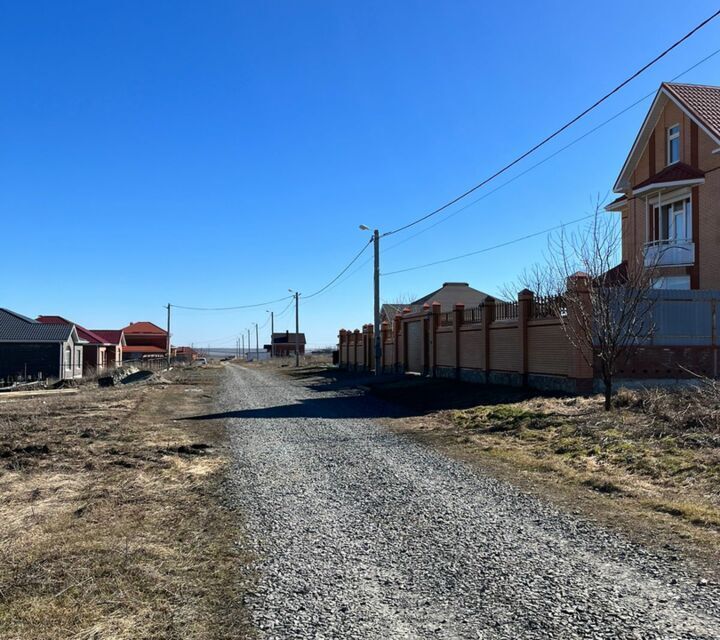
x: 364, y: 228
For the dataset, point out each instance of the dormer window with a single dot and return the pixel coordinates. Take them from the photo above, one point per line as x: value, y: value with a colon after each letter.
x: 673, y: 144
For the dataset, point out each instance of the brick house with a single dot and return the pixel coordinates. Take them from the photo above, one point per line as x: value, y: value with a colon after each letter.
x: 145, y: 340
x: 669, y: 189
x: 114, y: 343
x: 283, y: 344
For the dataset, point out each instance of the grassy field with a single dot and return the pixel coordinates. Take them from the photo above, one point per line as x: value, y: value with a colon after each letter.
x: 112, y: 519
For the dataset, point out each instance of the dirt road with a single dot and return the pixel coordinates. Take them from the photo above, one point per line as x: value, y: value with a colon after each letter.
x: 360, y: 533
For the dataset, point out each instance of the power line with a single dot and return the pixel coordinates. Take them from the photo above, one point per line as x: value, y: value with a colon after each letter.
x: 350, y: 264
x: 558, y: 131
x: 243, y: 306
x: 486, y: 249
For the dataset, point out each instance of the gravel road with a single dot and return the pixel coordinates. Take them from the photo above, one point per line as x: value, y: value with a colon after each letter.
x: 361, y: 533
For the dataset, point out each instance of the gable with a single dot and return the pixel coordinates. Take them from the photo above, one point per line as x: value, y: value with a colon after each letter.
x: 694, y: 103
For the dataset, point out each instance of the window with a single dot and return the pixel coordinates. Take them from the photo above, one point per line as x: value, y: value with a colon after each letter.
x: 68, y: 358
x: 673, y: 144
x: 672, y: 282
x: 673, y: 222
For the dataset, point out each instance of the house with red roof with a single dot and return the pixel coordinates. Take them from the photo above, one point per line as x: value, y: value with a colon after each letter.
x: 145, y: 341
x: 101, y: 350
x: 669, y: 189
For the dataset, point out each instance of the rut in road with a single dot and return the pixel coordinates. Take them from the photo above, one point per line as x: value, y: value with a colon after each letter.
x: 361, y: 533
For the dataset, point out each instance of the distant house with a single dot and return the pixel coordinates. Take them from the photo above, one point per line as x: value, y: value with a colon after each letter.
x: 450, y: 294
x: 185, y: 354
x: 32, y: 350
x: 115, y: 344
x: 99, y: 353
x: 145, y: 340
x: 283, y: 344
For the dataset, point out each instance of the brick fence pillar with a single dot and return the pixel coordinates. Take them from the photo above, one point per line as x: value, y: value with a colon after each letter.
x: 397, y: 322
x: 434, y: 324
x: 425, y: 326
x: 384, y: 330
x: 581, y: 354
x: 356, y: 339
x: 341, y: 344
x: 369, y: 350
x: 525, y: 302
x: 458, y: 318
x: 488, y: 317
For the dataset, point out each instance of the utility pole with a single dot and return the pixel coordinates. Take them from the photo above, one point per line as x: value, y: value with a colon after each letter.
x: 249, y: 341
x: 168, y: 336
x: 376, y: 323
x: 272, y: 332
x: 257, y: 343
x: 242, y: 353
x: 297, y: 329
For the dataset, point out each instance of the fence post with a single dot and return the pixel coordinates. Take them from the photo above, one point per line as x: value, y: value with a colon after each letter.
x: 458, y: 317
x: 488, y: 317
x: 384, y: 330
x: 434, y: 324
x: 341, y: 344
x: 356, y: 336
x: 369, y: 347
x: 397, y: 321
x: 581, y: 355
x: 425, y: 325
x: 525, y: 302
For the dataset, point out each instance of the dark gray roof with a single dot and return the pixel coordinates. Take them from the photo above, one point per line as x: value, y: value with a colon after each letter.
x: 15, y: 327
x: 448, y: 295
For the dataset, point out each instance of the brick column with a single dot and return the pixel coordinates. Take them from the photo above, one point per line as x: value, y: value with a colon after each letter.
x: 341, y: 344
x: 434, y: 324
x: 487, y: 320
x: 425, y: 325
x: 384, y: 330
x: 525, y: 302
x: 458, y: 318
x: 369, y: 350
x: 397, y: 322
x: 579, y: 368
x: 356, y: 336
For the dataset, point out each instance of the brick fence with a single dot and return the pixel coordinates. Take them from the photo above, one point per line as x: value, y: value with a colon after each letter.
x: 524, y: 343
x: 519, y: 343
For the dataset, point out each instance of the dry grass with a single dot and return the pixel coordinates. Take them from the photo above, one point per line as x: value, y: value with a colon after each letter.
x: 112, y: 524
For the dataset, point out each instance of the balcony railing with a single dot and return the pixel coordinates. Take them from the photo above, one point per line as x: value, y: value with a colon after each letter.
x: 668, y: 253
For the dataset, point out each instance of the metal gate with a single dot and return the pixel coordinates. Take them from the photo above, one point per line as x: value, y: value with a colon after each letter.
x: 414, y: 346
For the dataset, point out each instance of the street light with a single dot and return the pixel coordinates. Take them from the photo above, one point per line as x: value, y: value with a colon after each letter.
x: 376, y: 283
x: 297, y: 326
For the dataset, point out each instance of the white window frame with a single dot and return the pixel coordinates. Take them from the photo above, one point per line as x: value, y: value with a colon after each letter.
x: 670, y: 137
x: 656, y: 205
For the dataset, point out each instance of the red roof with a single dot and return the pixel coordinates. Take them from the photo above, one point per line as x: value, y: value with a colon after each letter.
x: 144, y: 328
x: 677, y: 172
x: 702, y: 101
x: 143, y: 349
x: 112, y: 336
x: 83, y: 333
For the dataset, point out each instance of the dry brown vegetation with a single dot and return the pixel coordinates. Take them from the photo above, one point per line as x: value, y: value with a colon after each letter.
x: 112, y: 524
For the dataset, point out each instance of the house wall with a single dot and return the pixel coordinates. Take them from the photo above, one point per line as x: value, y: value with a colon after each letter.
x: 37, y: 359
x: 696, y: 150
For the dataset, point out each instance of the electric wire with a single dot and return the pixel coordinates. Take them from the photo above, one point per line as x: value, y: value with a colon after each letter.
x: 558, y: 131
x: 350, y: 264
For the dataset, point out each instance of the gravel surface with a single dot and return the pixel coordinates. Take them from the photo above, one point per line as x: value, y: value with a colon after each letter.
x: 361, y: 533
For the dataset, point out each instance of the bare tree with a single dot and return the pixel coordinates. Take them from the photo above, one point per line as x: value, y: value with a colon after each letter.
x: 606, y: 306
x: 535, y: 278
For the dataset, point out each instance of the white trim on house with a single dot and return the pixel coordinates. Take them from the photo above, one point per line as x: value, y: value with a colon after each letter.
x: 666, y: 185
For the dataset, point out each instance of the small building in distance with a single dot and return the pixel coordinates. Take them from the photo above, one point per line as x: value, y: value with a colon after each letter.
x: 283, y: 344
x: 32, y: 350
x: 185, y: 354
x: 145, y: 341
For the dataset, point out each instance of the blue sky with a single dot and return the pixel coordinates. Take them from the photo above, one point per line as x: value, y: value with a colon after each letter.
x: 218, y: 153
